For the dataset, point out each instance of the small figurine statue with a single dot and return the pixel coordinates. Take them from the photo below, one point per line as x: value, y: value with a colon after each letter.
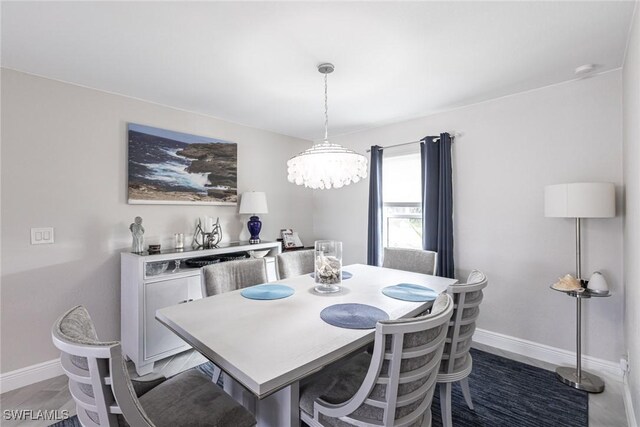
x: 137, y: 232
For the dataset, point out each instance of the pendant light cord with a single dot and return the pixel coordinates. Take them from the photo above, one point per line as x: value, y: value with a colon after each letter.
x: 326, y: 112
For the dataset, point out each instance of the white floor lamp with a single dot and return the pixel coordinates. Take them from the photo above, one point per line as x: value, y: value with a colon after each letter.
x: 580, y: 200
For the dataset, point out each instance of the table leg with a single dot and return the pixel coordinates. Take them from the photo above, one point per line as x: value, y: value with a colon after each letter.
x: 281, y: 409
x: 239, y: 393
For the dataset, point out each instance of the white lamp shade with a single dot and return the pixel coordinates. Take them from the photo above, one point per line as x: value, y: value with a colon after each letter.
x: 580, y: 200
x: 253, y: 202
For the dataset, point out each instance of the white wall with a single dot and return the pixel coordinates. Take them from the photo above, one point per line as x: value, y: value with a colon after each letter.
x: 631, y: 96
x: 510, y: 149
x: 64, y: 165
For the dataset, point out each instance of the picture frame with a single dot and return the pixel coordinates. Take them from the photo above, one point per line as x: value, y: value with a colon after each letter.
x: 290, y: 239
x: 169, y: 167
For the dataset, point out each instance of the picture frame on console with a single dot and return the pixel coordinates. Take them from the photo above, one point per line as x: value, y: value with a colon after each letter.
x: 290, y: 239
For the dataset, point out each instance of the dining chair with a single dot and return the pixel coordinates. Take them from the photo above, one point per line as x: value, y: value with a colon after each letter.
x: 415, y: 260
x: 105, y: 395
x: 393, y: 386
x: 295, y: 263
x: 231, y: 275
x: 456, y: 360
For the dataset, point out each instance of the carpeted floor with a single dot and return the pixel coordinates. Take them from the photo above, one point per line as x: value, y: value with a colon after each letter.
x: 505, y: 394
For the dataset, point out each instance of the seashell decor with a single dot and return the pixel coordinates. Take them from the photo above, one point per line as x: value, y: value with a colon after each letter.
x: 568, y: 283
x: 328, y: 269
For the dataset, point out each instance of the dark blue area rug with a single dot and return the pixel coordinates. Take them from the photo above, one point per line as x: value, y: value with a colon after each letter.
x: 505, y: 393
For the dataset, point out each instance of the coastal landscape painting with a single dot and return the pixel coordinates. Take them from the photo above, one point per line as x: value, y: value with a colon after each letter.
x: 167, y: 167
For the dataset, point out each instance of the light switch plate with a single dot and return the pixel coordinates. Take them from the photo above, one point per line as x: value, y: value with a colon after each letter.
x: 41, y: 236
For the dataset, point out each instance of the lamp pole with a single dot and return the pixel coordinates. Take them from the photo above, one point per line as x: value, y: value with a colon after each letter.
x: 576, y: 378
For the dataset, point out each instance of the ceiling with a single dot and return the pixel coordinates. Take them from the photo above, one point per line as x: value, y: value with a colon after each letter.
x: 254, y: 63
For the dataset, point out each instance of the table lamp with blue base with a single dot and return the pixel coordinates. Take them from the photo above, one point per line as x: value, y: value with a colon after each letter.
x: 253, y: 203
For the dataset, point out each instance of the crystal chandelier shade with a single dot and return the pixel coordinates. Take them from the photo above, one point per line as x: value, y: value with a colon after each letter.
x: 326, y: 165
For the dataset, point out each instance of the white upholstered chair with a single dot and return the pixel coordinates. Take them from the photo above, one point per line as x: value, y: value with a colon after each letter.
x: 231, y: 275
x: 415, y: 260
x: 105, y: 395
x: 456, y: 360
x: 393, y: 386
x: 295, y: 263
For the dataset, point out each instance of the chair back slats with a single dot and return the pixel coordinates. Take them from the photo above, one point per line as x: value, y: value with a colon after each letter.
x: 85, y: 421
x: 82, y: 397
x: 467, y: 298
x: 393, y: 369
x: 295, y: 263
x: 421, y: 350
x: 102, y: 392
x: 417, y: 394
x: 410, y: 376
x: 74, y: 372
x: 398, y: 388
x: 88, y: 364
x: 232, y: 275
x: 417, y: 416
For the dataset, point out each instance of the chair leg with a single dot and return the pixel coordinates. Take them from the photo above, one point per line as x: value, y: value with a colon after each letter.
x: 464, y: 384
x: 445, y: 404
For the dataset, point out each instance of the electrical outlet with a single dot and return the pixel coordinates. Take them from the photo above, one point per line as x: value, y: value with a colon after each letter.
x: 624, y: 364
x: 42, y: 236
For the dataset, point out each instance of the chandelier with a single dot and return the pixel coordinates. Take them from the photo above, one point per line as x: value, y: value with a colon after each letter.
x: 326, y: 165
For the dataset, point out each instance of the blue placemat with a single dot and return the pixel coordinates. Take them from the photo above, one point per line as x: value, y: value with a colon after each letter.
x: 266, y: 292
x: 410, y: 292
x: 353, y: 316
x: 345, y: 275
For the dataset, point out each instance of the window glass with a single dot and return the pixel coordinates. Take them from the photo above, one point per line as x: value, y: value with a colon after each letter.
x: 401, y: 192
x: 401, y: 179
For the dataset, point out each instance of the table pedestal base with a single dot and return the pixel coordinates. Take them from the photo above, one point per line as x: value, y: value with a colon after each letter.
x: 588, y: 382
x: 277, y: 410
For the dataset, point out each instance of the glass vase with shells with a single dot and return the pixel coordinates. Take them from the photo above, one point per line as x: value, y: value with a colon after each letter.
x: 328, y: 266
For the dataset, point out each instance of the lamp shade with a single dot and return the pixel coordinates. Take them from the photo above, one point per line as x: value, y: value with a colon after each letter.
x: 253, y: 202
x: 580, y: 200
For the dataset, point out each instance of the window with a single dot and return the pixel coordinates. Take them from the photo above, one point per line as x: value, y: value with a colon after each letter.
x: 401, y: 195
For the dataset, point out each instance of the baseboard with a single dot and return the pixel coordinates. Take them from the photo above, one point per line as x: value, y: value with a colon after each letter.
x: 30, y: 375
x: 628, y: 405
x: 546, y: 353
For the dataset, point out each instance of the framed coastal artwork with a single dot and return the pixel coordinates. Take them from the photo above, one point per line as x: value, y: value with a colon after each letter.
x: 167, y: 167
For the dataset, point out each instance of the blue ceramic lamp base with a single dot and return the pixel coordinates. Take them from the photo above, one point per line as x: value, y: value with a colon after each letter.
x: 254, y: 225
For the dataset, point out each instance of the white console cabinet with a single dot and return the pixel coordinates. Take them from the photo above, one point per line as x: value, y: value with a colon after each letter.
x: 153, y: 281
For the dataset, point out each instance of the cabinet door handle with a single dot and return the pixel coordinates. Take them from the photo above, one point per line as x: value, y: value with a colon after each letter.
x: 183, y: 301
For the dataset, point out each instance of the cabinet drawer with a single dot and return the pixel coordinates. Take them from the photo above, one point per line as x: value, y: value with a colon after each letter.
x: 157, y: 338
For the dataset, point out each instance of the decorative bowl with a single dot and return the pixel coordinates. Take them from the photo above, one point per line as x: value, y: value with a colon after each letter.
x: 155, y: 268
x: 259, y: 254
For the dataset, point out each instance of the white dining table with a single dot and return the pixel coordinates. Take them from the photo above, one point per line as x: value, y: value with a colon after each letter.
x: 265, y: 347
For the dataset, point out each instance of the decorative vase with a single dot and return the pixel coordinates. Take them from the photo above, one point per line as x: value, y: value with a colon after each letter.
x: 598, y: 284
x: 254, y: 225
x: 328, y: 266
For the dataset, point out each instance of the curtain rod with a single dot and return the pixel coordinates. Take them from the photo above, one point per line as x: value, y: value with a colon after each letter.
x: 435, y: 139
